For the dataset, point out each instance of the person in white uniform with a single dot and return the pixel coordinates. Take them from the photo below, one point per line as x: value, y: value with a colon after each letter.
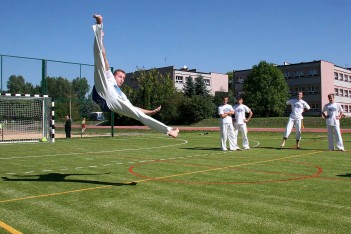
x: 298, y: 106
x: 225, y: 112
x: 107, y: 93
x: 240, y: 120
x: 333, y: 112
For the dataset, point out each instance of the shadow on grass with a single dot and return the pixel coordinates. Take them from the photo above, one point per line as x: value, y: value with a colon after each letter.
x: 58, y: 177
x: 201, y: 148
x: 283, y: 148
x: 345, y: 175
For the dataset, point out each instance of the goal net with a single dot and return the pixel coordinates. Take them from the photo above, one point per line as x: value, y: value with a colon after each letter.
x: 26, y: 118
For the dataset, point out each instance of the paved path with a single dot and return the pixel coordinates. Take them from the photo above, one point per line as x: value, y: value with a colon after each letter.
x: 214, y: 128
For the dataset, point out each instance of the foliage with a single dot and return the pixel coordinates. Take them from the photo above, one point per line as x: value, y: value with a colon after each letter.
x: 195, y: 109
x: 266, y: 90
x: 59, y: 87
x: 200, y: 86
x: 80, y: 87
x: 17, y: 84
x: 156, y: 89
x: 189, y: 87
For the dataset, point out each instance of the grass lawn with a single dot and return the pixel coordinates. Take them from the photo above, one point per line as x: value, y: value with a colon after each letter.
x: 183, y: 185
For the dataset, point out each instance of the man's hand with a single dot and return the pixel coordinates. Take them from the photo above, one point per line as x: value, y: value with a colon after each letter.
x: 98, y: 19
x: 156, y: 110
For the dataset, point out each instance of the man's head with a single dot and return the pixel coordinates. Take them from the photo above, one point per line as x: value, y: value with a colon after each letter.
x: 240, y: 100
x: 225, y: 100
x: 120, y: 76
x: 331, y: 97
x: 299, y: 95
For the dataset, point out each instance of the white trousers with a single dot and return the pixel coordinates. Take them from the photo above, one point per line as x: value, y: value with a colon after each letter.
x: 334, y: 134
x: 227, y: 132
x: 243, y: 129
x: 289, y: 127
x: 107, y: 91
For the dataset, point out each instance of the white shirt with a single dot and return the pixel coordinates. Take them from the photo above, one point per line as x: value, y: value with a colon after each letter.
x: 333, y: 110
x: 112, y: 83
x: 297, y: 108
x: 223, y: 109
x: 240, y: 111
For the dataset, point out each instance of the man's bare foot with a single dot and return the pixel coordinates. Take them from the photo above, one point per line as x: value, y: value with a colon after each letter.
x: 173, y: 132
x: 98, y: 19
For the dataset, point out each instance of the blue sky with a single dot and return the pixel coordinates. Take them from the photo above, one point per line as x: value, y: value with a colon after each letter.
x: 209, y: 35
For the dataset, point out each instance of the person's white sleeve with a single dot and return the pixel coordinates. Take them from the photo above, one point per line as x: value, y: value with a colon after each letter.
x: 307, y: 106
x: 99, y: 63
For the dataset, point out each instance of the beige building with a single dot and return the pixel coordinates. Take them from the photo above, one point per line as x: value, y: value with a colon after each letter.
x: 214, y: 81
x: 316, y: 80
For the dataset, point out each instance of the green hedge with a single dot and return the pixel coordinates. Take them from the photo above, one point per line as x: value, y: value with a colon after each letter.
x: 277, y: 122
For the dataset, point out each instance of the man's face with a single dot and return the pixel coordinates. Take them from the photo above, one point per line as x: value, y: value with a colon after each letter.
x: 225, y: 100
x: 240, y: 101
x: 299, y: 95
x: 331, y: 98
x: 119, y: 77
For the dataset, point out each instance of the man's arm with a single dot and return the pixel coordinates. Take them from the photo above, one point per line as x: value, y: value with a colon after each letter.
x: 99, y: 21
x: 150, y: 112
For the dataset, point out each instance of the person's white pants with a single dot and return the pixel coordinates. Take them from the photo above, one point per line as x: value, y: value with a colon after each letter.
x: 243, y: 129
x: 108, y: 93
x: 334, y: 134
x: 289, y: 127
x: 227, y: 132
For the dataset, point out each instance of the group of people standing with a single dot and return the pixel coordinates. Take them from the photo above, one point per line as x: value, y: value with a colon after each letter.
x: 233, y: 119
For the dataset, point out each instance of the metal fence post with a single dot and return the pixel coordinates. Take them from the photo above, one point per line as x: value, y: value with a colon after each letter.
x: 1, y: 74
x: 44, y: 88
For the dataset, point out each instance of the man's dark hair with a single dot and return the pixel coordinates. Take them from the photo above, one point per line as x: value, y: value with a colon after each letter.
x: 118, y: 70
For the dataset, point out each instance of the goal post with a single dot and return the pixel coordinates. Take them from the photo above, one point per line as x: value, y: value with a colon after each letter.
x: 26, y: 118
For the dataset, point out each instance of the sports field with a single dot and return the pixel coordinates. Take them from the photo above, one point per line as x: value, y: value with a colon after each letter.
x: 149, y: 183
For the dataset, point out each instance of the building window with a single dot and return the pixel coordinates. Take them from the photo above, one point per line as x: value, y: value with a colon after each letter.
x: 298, y: 73
x: 341, y: 76
x: 315, y: 107
x: 341, y: 92
x: 349, y: 93
x: 312, y: 90
x: 179, y: 79
x: 336, y: 76
x: 312, y: 72
x: 336, y: 91
x: 207, y: 82
x: 301, y: 89
x: 346, y: 78
x: 287, y: 74
x: 346, y: 108
x: 346, y: 93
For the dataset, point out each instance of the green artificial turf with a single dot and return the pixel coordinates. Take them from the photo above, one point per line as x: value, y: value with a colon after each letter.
x: 183, y: 185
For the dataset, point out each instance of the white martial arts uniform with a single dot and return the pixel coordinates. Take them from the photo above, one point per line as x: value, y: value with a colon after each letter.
x: 108, y: 90
x: 240, y: 125
x: 227, y: 129
x: 297, y: 108
x: 333, y: 125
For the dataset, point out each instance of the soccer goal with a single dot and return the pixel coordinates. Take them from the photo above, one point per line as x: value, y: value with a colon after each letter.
x: 26, y: 118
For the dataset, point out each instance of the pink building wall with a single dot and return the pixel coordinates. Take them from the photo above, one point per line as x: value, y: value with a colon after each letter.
x: 327, y: 81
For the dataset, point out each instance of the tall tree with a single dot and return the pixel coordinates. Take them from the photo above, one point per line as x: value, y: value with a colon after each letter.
x: 156, y: 89
x: 189, y: 87
x: 266, y: 90
x: 17, y: 84
x: 80, y: 87
x: 59, y: 87
x: 200, y: 86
